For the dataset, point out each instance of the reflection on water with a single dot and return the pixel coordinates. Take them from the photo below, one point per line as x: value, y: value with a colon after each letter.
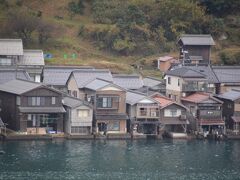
x: 143, y: 159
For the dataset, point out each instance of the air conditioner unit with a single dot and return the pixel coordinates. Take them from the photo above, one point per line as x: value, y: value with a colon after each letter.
x: 153, y: 114
x: 183, y: 94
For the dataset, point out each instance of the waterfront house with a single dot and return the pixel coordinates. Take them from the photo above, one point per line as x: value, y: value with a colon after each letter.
x: 143, y: 113
x: 206, y: 111
x: 108, y: 99
x: 195, y: 48
x: 183, y: 81
x: 128, y: 81
x: 231, y: 110
x: 172, y: 114
x: 79, y: 116
x: 31, y: 107
x: 57, y: 76
x: 165, y: 63
x: 8, y: 74
x: 228, y: 76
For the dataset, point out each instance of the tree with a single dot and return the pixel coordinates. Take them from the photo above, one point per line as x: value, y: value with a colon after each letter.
x: 22, y: 24
x: 76, y: 8
x: 45, y: 31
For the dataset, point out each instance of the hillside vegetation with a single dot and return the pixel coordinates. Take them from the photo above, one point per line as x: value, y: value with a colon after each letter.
x: 120, y: 35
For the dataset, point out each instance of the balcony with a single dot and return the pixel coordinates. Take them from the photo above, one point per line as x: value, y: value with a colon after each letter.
x: 192, y: 87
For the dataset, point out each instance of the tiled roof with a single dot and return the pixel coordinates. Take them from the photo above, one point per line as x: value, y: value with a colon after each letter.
x: 58, y: 75
x: 197, y: 39
x: 19, y: 86
x: 10, y: 74
x: 11, y: 47
x: 128, y: 81
x: 185, y: 72
x: 97, y: 84
x: 166, y: 58
x: 133, y: 97
x: 227, y: 74
x: 230, y: 95
x: 32, y: 57
x: 164, y: 101
x: 207, y: 71
x: 74, y: 102
x: 151, y: 81
x: 85, y: 76
x: 199, y: 97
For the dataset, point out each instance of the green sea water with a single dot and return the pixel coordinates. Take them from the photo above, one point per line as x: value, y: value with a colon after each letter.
x: 141, y: 159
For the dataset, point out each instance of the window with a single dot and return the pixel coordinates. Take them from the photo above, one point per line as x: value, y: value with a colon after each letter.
x: 113, y: 126
x: 172, y: 113
x: 5, y: 61
x: 53, y: 100
x: 169, y: 80
x: 18, y: 101
x: 36, y: 101
x: 229, y: 106
x: 209, y: 112
x: 0, y: 102
x: 83, y: 113
x: 178, y: 83
x: 37, y: 78
x: 104, y: 102
x: 74, y: 93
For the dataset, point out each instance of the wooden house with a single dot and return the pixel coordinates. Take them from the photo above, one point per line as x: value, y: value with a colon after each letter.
x: 143, y: 113
x: 195, y: 48
x: 108, y: 100
x: 79, y: 116
x: 207, y: 112
x: 31, y: 107
x: 172, y: 114
x: 231, y: 110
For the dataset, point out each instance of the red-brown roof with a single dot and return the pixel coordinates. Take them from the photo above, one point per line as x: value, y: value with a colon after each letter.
x: 198, y: 97
x: 164, y: 101
x: 211, y: 122
x: 166, y: 58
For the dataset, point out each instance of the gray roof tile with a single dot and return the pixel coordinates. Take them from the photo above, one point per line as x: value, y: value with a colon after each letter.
x: 97, y: 84
x: 74, y: 102
x: 151, y: 81
x: 197, y: 39
x: 58, y: 75
x: 185, y: 72
x: 32, y: 57
x: 227, y: 74
x: 128, y: 81
x: 18, y: 86
x: 10, y: 74
x: 230, y: 95
x: 83, y: 77
x: 11, y: 47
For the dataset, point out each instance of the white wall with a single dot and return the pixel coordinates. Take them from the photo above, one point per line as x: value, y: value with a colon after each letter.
x: 174, y: 83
